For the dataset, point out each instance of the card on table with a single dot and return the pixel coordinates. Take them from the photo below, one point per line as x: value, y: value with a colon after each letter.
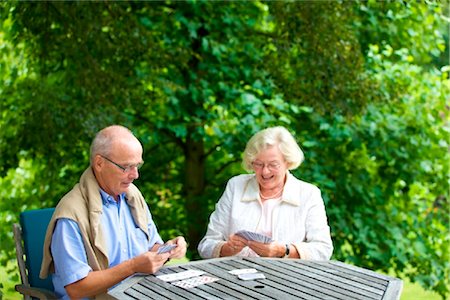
x: 253, y: 236
x: 251, y: 276
x: 194, y: 281
x: 242, y: 271
x: 180, y: 275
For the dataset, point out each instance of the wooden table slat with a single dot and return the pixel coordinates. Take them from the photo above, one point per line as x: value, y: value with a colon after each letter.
x: 350, y: 281
x: 164, y: 289
x: 231, y: 288
x: 350, y: 270
x: 135, y: 294
x: 250, y: 290
x: 314, y: 285
x: 295, y: 288
x: 119, y: 290
x: 169, y: 290
x: 392, y: 286
x: 202, y: 267
x: 358, y: 269
x: 217, y: 290
x: 285, y: 279
x: 144, y: 291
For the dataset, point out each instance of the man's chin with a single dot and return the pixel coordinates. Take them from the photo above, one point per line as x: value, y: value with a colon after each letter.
x: 125, y: 186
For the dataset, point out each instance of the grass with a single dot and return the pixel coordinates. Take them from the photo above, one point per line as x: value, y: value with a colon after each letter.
x: 411, y: 291
x: 414, y: 291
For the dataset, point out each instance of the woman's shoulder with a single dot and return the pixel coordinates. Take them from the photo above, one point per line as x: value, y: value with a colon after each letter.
x: 301, y: 184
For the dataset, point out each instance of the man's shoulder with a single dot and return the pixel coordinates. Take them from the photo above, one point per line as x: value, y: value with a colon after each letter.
x: 72, y: 205
x: 133, y: 190
x: 134, y: 194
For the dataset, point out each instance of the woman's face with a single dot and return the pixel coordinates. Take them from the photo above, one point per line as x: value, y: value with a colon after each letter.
x: 270, y: 168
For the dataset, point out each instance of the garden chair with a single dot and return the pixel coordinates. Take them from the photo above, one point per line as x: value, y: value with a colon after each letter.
x: 29, y: 239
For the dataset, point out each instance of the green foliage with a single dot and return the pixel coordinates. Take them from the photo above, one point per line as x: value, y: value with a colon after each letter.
x: 315, y: 56
x: 385, y: 175
x: 19, y: 191
x: 404, y: 24
x: 355, y: 81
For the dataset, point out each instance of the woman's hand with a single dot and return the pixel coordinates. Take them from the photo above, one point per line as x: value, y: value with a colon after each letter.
x: 233, y: 246
x: 273, y: 249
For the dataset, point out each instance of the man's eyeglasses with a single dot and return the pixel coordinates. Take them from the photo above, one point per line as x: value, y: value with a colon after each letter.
x: 272, y: 166
x: 124, y: 169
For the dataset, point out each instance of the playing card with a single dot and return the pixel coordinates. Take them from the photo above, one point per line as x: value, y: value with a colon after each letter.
x: 242, y: 271
x: 253, y: 236
x: 251, y: 276
x: 180, y: 275
x: 195, y: 281
x: 166, y: 248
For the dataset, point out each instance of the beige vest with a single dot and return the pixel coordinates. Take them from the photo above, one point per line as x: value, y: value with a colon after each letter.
x: 83, y: 204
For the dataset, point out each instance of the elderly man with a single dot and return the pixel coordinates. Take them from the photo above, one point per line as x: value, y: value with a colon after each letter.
x: 102, y: 230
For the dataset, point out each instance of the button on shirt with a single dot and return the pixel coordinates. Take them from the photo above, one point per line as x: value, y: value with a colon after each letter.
x: 124, y: 240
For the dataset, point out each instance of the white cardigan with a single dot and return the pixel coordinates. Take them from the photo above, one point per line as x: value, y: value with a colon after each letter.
x: 300, y: 219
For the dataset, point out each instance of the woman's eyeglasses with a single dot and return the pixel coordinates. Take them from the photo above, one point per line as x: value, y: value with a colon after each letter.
x: 272, y: 166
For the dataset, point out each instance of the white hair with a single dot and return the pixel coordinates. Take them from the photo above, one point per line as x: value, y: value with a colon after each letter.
x: 103, y: 141
x: 273, y: 136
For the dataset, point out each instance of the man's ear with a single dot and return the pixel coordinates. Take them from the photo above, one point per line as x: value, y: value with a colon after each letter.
x: 98, y: 162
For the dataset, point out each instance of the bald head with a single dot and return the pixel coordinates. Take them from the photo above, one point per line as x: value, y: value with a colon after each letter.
x: 111, y: 138
x: 116, y: 155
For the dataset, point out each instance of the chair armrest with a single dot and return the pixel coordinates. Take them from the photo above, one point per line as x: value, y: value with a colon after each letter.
x: 35, y: 292
x: 17, y: 231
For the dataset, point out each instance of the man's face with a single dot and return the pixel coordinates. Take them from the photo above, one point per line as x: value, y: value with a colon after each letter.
x: 125, y: 153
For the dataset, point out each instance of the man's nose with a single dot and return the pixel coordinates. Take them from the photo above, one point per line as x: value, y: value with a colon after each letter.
x: 134, y: 173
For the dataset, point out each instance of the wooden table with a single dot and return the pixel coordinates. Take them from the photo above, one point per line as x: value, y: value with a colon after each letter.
x: 285, y: 279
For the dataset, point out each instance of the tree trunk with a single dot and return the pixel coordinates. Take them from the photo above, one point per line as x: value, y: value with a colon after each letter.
x: 194, y: 188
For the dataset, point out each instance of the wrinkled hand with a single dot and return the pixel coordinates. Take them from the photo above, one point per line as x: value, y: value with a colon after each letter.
x: 273, y: 249
x: 180, y: 250
x: 148, y: 262
x: 235, y: 244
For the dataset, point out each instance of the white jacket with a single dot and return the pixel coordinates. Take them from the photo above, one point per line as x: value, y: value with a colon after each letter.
x: 300, y: 219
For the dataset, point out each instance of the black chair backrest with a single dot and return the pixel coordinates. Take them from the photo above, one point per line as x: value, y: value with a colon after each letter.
x: 34, y: 226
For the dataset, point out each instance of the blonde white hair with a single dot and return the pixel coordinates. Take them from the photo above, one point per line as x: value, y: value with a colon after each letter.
x: 273, y: 136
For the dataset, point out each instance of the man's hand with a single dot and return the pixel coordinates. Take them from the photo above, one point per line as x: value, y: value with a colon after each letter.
x: 180, y: 250
x: 149, y: 262
x: 97, y: 282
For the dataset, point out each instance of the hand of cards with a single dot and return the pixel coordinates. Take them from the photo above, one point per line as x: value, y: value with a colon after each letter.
x: 253, y: 236
x: 166, y: 248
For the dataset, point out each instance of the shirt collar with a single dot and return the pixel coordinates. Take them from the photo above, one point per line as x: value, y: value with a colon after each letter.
x: 251, y: 191
x: 107, y: 199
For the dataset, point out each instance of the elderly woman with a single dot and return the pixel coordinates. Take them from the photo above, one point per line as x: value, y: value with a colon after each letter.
x: 270, y: 202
